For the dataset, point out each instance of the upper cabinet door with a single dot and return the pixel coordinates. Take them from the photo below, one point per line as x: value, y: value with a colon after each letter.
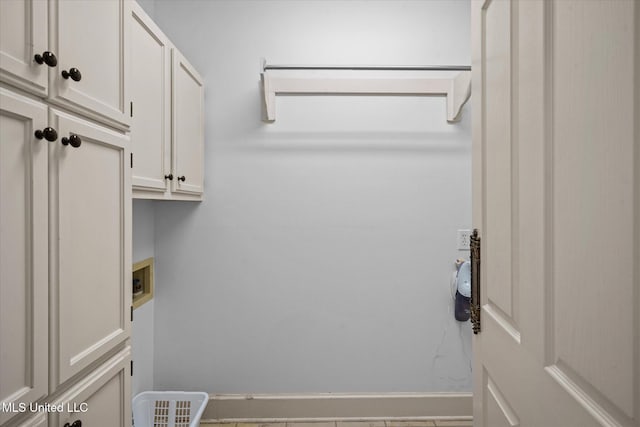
x: 90, y: 193
x: 23, y: 251
x: 151, y: 96
x: 91, y: 42
x: 188, y: 127
x: 23, y: 34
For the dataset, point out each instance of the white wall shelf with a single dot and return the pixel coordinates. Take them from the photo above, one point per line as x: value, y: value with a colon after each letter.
x: 398, y: 81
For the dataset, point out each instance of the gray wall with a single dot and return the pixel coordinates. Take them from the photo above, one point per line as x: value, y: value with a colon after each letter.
x: 148, y: 6
x: 320, y: 259
x: 142, y: 328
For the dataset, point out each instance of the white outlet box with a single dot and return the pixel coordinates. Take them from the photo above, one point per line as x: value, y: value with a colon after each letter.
x: 464, y: 237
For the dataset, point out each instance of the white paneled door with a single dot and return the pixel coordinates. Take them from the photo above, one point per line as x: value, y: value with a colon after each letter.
x: 90, y: 200
x: 557, y: 204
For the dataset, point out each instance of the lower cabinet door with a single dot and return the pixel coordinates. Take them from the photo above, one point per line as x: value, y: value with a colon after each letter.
x: 101, y: 399
x: 90, y: 269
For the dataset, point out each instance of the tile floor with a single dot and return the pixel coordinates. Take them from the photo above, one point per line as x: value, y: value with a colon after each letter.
x: 389, y: 423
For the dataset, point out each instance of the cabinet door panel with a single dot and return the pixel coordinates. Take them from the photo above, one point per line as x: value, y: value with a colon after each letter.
x: 150, y: 92
x: 91, y: 216
x: 23, y: 252
x: 91, y: 36
x: 23, y: 33
x: 188, y: 127
x: 102, y: 398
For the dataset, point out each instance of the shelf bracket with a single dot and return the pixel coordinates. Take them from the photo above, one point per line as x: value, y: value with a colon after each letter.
x: 457, y: 89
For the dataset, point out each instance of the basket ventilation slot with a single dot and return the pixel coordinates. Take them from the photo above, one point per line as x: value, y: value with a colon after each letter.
x: 183, y: 413
x: 161, y: 414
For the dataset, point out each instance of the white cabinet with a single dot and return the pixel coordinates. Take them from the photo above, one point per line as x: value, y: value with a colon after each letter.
x: 91, y: 235
x: 66, y: 187
x: 65, y: 212
x: 23, y: 252
x: 167, y: 131
x: 97, y: 400
x: 65, y: 251
x: 65, y: 209
x: 86, y: 45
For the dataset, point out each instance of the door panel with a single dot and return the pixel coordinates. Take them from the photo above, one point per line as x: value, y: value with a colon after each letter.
x: 151, y: 89
x: 91, y: 36
x: 92, y: 206
x: 23, y: 252
x: 593, y: 198
x: 23, y: 33
x: 498, y: 158
x: 556, y: 154
x: 188, y: 128
x: 499, y: 164
x: 498, y: 411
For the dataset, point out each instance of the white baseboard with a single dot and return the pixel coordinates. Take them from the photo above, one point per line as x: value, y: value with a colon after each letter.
x: 325, y: 407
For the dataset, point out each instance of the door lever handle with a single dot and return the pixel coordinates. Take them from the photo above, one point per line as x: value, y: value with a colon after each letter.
x: 474, y: 246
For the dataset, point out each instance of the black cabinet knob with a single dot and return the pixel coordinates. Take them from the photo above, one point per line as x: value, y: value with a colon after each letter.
x: 46, y: 58
x: 182, y: 178
x: 74, y: 73
x: 169, y: 177
x: 76, y: 423
x: 47, y: 133
x: 73, y: 140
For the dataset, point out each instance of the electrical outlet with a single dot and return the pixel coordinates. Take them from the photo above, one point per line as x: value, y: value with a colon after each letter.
x: 464, y: 237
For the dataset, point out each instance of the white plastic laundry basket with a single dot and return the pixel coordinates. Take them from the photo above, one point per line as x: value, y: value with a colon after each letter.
x: 168, y: 408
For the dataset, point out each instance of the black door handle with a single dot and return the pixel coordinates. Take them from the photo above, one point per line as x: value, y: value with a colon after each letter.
x: 182, y: 178
x: 73, y: 140
x: 169, y: 177
x: 47, y: 133
x: 74, y: 73
x: 475, y: 246
x: 46, y: 58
